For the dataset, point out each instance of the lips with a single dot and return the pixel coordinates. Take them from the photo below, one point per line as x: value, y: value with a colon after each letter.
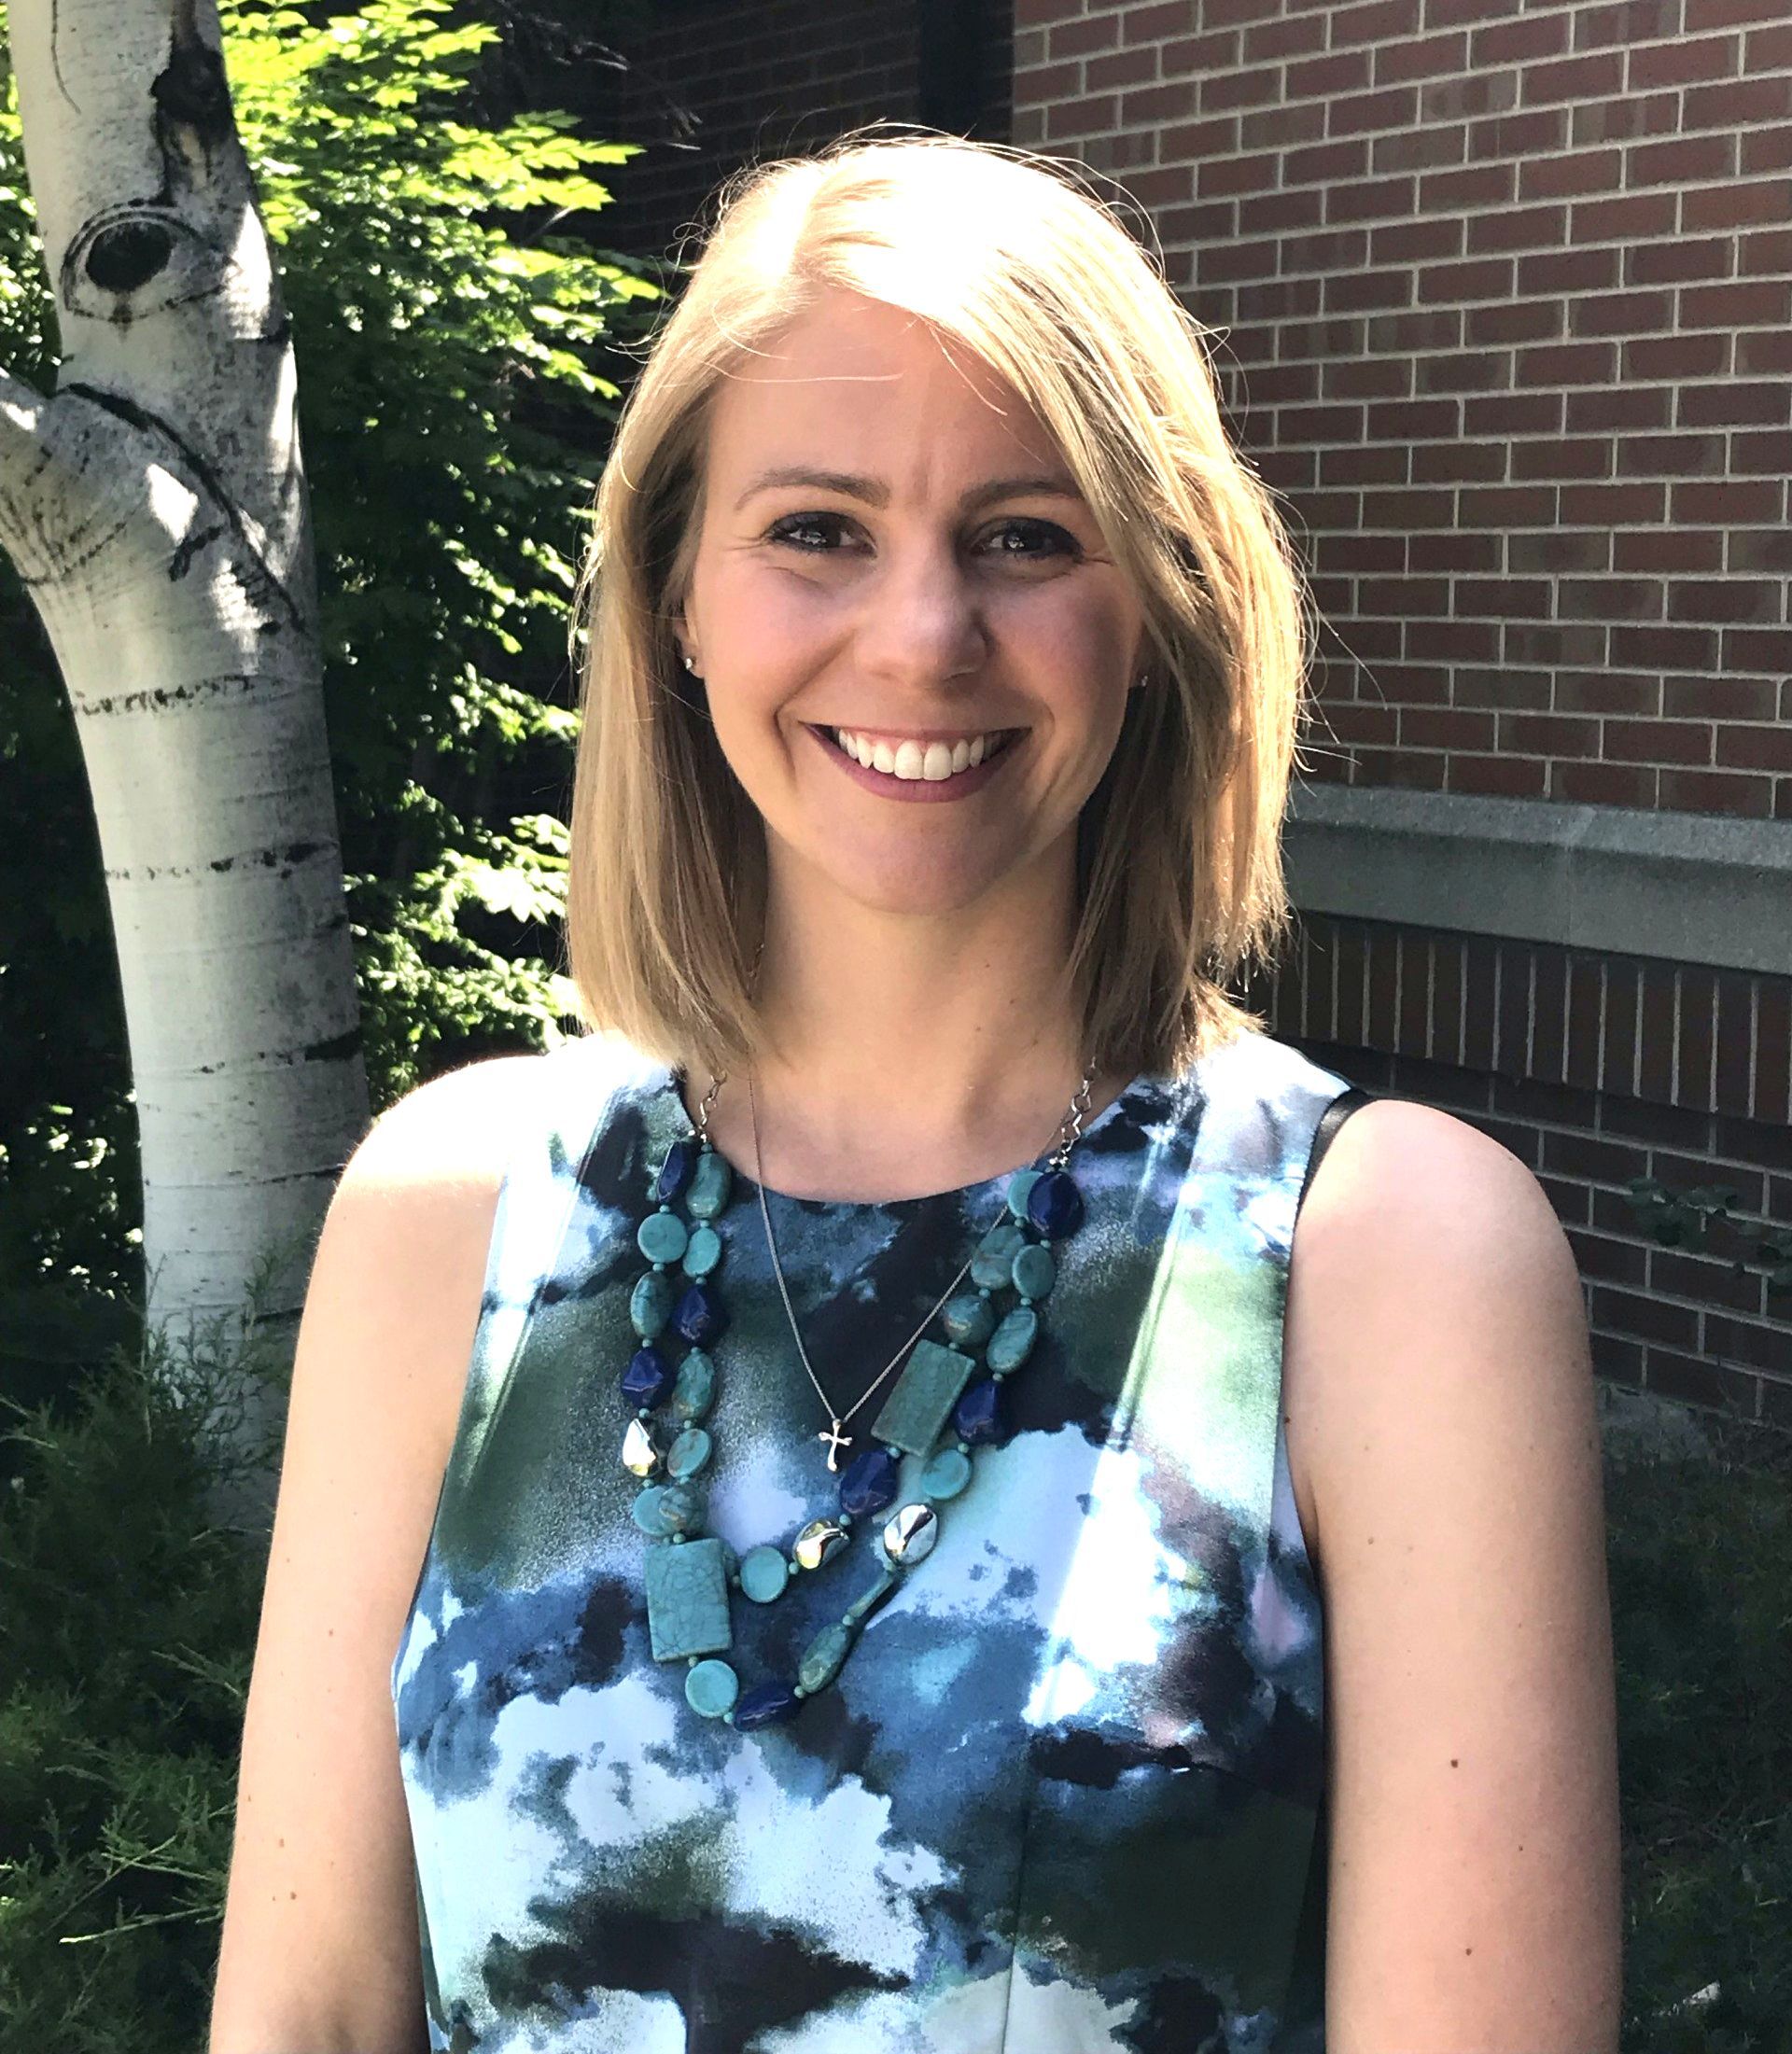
x: 961, y: 784
x: 998, y: 739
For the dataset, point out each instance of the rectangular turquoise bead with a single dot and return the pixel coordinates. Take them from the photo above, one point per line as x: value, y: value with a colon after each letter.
x: 687, y: 1599
x: 925, y: 1393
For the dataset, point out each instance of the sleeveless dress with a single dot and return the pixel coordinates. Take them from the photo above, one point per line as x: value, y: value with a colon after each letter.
x: 1066, y: 1794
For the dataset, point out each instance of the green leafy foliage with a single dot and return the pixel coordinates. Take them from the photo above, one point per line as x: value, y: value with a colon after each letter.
x: 1701, y: 1568
x: 1685, y: 1218
x: 128, y: 1615
x: 451, y: 333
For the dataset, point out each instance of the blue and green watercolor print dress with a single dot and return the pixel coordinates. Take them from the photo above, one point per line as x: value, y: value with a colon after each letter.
x: 1068, y: 1791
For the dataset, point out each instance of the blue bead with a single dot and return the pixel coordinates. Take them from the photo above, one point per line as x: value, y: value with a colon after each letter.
x: 675, y: 1172
x: 700, y: 1316
x: 765, y: 1704
x: 868, y: 1484
x: 1055, y: 1204
x: 647, y: 1377
x: 977, y: 1417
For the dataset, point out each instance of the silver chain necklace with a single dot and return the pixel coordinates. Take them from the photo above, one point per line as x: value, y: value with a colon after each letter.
x: 1070, y: 1129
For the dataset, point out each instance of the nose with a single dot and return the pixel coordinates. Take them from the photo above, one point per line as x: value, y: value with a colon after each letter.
x: 921, y: 621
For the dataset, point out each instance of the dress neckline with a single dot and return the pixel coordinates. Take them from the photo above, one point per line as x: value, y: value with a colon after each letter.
x: 665, y: 1085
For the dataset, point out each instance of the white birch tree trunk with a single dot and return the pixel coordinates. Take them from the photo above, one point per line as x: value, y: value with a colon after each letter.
x: 156, y: 508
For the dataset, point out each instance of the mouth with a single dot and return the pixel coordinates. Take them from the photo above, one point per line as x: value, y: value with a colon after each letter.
x: 916, y: 760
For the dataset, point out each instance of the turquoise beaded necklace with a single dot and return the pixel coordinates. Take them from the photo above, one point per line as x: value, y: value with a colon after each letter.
x: 689, y: 1574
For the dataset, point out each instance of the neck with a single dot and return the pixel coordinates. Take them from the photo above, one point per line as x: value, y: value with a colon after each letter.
x: 906, y: 1054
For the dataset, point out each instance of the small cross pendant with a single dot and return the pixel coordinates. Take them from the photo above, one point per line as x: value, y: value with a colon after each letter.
x: 837, y: 1441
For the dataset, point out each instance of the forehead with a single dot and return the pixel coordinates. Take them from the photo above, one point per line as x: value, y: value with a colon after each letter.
x: 854, y: 384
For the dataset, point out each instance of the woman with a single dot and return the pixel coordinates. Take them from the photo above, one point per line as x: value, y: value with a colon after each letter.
x: 914, y: 1562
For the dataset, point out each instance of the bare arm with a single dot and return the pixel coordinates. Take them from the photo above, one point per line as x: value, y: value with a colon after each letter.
x: 1438, y: 1340
x: 320, y: 1951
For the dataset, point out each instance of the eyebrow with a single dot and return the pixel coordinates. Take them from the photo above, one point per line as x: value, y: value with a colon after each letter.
x: 875, y: 492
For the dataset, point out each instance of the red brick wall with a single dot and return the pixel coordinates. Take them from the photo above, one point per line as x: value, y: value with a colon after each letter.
x: 714, y: 84
x: 1592, y: 1069
x: 1504, y: 295
x: 1508, y: 302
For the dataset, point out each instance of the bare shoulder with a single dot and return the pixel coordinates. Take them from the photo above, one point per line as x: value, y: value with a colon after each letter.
x: 319, y: 1943
x: 1410, y: 1206
x: 450, y: 1133
x: 1440, y: 1395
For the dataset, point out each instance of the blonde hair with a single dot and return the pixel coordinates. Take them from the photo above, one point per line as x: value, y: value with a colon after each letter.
x: 1179, y: 861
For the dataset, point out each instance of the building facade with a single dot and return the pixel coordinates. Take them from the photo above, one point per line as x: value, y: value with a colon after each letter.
x: 1501, y: 299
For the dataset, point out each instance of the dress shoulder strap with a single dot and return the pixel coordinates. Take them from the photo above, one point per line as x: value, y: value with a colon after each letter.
x: 1334, y: 1117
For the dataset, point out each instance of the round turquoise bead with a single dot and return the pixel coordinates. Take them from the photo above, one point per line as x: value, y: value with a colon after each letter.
x: 703, y: 1252
x: 1020, y: 1186
x: 969, y: 1319
x: 662, y: 1236
x: 689, y: 1454
x: 1013, y: 1340
x: 764, y: 1574
x: 710, y: 1184
x: 682, y: 1509
x: 945, y: 1474
x: 992, y: 1263
x: 649, y: 1511
x: 711, y: 1688
x: 1035, y: 1272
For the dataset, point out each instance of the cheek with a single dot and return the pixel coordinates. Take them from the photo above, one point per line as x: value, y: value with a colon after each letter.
x: 774, y: 626
x: 1073, y: 649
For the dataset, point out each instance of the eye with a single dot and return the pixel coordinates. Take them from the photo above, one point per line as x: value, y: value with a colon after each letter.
x: 1057, y: 542
x: 1046, y: 537
x: 793, y: 525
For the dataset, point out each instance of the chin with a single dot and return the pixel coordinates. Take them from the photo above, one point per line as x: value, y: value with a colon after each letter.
x: 899, y: 885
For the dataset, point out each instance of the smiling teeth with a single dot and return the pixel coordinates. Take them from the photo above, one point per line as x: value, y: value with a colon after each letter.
x: 937, y: 762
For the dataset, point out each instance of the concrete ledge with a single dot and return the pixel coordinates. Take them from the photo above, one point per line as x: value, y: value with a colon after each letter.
x: 1685, y: 887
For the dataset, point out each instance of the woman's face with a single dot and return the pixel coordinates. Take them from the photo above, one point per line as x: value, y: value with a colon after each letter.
x: 892, y: 547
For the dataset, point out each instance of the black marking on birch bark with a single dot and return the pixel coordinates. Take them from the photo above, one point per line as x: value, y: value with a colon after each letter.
x: 193, y: 91
x: 56, y: 55
x: 138, y: 258
x: 286, y: 861
x: 164, y: 696
x: 61, y: 561
x: 293, y: 856
x: 340, y: 1049
x: 181, y: 562
x: 262, y: 584
x: 126, y: 256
